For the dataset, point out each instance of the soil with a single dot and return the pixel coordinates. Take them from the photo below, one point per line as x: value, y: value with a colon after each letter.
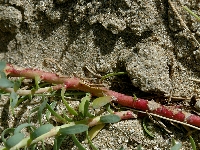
x: 156, y: 42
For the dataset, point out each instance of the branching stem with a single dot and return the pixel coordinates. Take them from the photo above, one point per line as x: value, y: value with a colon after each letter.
x: 170, y: 112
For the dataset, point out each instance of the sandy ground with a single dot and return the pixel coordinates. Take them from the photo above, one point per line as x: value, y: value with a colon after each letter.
x: 156, y: 42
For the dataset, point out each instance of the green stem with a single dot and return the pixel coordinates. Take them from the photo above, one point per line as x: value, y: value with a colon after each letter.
x: 77, y: 143
x: 55, y: 114
x: 70, y: 109
x: 112, y: 74
x: 192, y: 13
x: 90, y: 142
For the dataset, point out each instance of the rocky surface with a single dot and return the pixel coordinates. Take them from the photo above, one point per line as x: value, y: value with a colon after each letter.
x: 155, y: 42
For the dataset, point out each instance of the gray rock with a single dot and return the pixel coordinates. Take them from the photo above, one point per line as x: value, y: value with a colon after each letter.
x: 149, y: 70
x: 10, y: 19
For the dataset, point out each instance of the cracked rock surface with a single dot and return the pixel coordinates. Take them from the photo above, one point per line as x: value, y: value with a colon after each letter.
x: 155, y: 43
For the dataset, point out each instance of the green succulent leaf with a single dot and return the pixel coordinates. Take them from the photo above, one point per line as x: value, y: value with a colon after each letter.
x: 2, y: 65
x: 78, y: 128
x: 16, y: 85
x: 41, y: 108
x: 77, y: 143
x: 69, y: 108
x: 107, y: 106
x: 101, y: 101
x: 2, y: 75
x: 37, y: 81
x: 33, y: 147
x: 112, y: 118
x: 173, y: 142
x: 66, y: 117
x: 6, y: 131
x: 14, y: 140
x: 40, y: 131
x: 13, y: 100
x: 83, y: 107
x: 95, y: 130
x: 144, y: 124
x: 90, y: 142
x: 192, y: 143
x: 48, y: 113
x: 55, y: 113
x: 176, y: 146
x: 21, y: 126
x: 58, y: 141
x: 86, y: 106
x: 22, y: 99
x: 5, y: 83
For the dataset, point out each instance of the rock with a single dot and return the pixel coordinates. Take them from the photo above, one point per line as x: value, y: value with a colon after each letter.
x: 10, y: 19
x: 149, y: 70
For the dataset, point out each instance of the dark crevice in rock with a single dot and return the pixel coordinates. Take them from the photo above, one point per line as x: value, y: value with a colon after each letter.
x: 45, y: 26
x: 104, y: 39
x: 5, y: 38
x: 132, y: 39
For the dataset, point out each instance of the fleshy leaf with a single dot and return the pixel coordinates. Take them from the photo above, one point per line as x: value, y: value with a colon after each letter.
x: 14, y: 140
x: 110, y: 118
x: 55, y: 114
x: 95, y: 130
x: 101, y: 101
x: 192, y: 143
x: 6, y: 131
x: 58, y: 141
x: 69, y: 108
x: 48, y: 113
x: 2, y: 65
x: 40, y: 131
x: 2, y: 74
x: 16, y: 85
x: 83, y: 107
x: 37, y: 81
x: 145, y: 128
x: 21, y: 126
x: 176, y: 146
x: 77, y: 143
x: 74, y: 129
x: 66, y: 117
x: 13, y: 99
x: 5, y: 83
x: 41, y: 108
x: 90, y: 142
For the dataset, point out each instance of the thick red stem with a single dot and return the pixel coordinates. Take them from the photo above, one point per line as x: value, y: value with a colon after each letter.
x: 141, y: 104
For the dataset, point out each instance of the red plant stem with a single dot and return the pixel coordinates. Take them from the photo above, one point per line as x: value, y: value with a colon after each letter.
x: 126, y: 115
x: 124, y: 100
x: 69, y: 83
x: 122, y: 114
